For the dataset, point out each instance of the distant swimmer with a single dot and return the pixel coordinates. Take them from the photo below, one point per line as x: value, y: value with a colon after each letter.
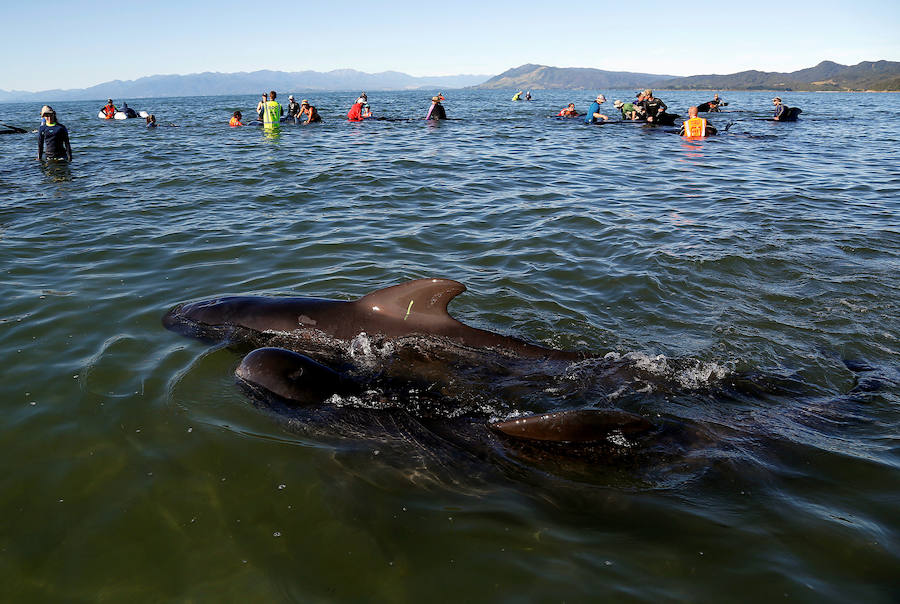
x: 272, y: 112
x: 696, y: 127
x: 109, y: 110
x: 627, y: 110
x: 261, y: 105
x: 569, y: 111
x: 53, y: 139
x: 528, y: 96
x: 293, y: 108
x: 711, y: 106
x: 593, y: 112
x: 517, y: 96
x: 151, y: 121
x: 436, y: 112
x: 313, y: 116
x: 783, y: 113
x: 236, y: 119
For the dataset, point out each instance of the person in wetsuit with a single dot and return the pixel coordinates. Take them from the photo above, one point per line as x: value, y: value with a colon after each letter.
x: 53, y: 139
x: 128, y: 111
x: 293, y: 108
x: 654, y: 110
x: 437, y: 110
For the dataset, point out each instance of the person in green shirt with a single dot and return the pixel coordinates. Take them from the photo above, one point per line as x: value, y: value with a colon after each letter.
x: 627, y: 109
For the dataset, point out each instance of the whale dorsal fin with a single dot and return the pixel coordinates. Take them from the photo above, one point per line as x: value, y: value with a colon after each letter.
x: 420, y: 299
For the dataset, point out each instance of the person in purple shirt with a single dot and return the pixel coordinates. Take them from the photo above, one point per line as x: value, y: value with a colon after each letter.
x: 53, y: 138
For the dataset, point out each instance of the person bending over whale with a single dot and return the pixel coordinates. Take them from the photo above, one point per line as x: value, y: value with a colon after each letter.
x: 437, y: 111
x: 711, y: 106
x: 696, y: 127
x: 654, y: 110
x: 313, y: 116
x: 53, y: 138
x: 627, y: 110
x: 593, y: 112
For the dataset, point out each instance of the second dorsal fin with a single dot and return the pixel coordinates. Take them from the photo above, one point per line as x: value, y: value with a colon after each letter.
x: 422, y: 298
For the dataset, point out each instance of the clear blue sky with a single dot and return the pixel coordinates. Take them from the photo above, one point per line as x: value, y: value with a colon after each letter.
x: 79, y: 43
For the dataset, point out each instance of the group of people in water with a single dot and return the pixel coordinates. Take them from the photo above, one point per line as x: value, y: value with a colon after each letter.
x: 651, y: 110
x: 53, y: 138
x: 270, y: 112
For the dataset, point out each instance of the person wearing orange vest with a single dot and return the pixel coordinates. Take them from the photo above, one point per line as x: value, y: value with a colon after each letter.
x: 236, y: 119
x: 569, y: 111
x: 696, y: 127
x: 109, y: 110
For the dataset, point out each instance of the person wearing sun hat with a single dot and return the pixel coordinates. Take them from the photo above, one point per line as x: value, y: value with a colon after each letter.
x: 53, y: 138
x: 783, y: 113
x: 593, y: 112
x: 626, y: 109
x: 304, y: 110
x: 437, y: 111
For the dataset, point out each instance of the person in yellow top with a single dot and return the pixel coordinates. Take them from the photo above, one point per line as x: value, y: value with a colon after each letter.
x: 272, y: 111
x: 696, y: 127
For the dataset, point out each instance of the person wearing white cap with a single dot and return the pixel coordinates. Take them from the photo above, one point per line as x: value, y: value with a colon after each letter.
x: 593, y: 113
x: 293, y: 108
x: 53, y: 138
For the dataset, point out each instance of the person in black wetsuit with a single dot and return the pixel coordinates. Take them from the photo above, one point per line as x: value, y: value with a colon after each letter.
x: 437, y: 113
x: 654, y: 110
x: 53, y: 139
x: 128, y: 111
x: 711, y: 106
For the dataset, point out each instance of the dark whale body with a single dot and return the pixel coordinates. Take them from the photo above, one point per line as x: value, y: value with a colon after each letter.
x: 415, y: 307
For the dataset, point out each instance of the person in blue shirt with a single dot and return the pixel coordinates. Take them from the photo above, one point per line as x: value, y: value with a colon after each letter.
x: 593, y: 113
x: 53, y: 138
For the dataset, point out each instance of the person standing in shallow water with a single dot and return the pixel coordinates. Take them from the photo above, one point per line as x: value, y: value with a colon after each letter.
x: 272, y: 111
x: 53, y: 138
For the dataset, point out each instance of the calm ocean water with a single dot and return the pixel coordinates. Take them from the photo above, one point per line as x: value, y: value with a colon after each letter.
x: 746, y: 286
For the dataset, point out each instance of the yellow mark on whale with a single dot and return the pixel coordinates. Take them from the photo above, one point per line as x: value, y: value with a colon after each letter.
x: 408, y: 309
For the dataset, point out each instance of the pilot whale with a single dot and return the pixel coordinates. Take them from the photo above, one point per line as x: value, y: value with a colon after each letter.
x: 413, y: 308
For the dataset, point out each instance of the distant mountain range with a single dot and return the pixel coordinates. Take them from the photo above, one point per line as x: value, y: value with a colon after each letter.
x: 827, y: 75
x: 542, y: 77
x: 210, y: 83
